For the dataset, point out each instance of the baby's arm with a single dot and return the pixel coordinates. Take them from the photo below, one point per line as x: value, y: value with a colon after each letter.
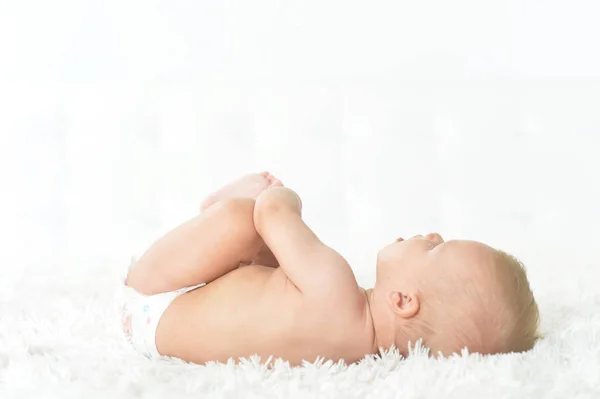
x: 310, y: 264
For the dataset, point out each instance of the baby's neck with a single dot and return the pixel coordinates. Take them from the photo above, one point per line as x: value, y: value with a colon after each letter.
x: 369, y: 322
x: 382, y: 321
x: 380, y: 334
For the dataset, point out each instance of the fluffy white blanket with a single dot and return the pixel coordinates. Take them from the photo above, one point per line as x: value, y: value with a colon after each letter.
x: 59, y: 339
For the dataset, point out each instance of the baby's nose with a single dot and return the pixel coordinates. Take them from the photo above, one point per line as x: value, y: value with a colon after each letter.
x: 435, y: 237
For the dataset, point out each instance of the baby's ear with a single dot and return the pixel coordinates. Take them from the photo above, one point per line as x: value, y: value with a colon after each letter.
x: 403, y: 304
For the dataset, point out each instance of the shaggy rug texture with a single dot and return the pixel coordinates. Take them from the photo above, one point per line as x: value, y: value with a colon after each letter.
x: 59, y: 338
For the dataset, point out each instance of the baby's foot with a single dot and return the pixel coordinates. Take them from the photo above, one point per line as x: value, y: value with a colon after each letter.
x: 248, y: 186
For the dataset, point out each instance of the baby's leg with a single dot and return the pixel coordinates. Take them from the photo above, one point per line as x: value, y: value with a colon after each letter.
x: 199, y: 250
x: 247, y: 186
x: 205, y: 247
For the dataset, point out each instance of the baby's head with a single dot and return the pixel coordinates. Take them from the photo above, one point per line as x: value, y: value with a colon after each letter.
x: 453, y: 295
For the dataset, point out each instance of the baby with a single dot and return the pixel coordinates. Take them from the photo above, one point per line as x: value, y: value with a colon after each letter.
x: 270, y: 287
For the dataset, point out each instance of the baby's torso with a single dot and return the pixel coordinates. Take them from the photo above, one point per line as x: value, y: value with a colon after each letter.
x: 257, y: 310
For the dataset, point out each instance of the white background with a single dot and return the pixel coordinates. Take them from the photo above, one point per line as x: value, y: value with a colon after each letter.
x: 390, y: 119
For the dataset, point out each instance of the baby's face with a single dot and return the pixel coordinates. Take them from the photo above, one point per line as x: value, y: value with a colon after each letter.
x: 420, y: 259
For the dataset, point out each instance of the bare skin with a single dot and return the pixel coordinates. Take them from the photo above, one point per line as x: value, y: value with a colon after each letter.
x: 309, y: 307
x: 297, y: 299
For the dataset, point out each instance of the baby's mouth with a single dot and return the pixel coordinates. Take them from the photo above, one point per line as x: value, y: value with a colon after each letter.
x: 399, y: 239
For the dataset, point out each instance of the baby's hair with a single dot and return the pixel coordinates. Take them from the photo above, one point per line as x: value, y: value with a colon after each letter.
x: 521, y: 332
x: 515, y: 317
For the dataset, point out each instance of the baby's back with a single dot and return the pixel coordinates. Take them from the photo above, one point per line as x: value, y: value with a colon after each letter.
x: 257, y: 310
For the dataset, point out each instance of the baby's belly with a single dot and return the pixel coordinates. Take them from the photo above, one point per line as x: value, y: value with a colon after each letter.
x: 251, y: 311
x: 237, y: 315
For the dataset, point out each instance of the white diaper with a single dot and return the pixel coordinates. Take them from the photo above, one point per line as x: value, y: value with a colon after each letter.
x: 141, y: 313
